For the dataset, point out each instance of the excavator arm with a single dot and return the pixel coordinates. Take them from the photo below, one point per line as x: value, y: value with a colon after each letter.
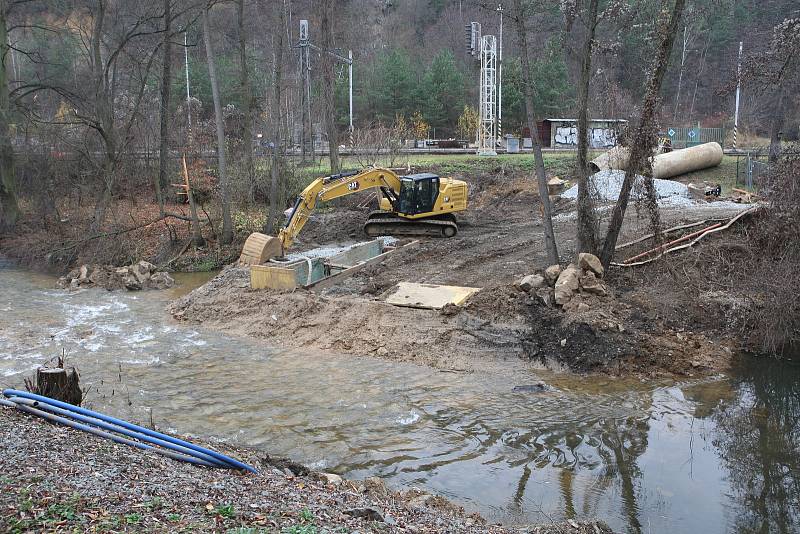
x: 329, y: 188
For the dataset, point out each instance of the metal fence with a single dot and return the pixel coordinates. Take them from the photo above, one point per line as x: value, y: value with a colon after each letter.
x: 750, y: 167
x: 686, y: 137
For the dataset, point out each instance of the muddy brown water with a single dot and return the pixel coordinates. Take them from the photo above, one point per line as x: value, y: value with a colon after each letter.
x: 713, y: 455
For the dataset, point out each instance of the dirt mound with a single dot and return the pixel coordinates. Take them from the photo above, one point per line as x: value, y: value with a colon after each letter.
x: 497, y: 327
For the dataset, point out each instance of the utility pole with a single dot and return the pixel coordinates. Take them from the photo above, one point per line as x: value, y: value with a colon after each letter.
x: 500, y: 76
x: 305, y: 45
x: 350, y: 89
x: 305, y: 97
x: 738, y: 88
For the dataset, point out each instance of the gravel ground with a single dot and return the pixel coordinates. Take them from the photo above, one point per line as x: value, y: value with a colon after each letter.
x: 56, y: 479
x: 608, y: 184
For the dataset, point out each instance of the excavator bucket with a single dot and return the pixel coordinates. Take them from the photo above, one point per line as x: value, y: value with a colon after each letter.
x: 260, y: 248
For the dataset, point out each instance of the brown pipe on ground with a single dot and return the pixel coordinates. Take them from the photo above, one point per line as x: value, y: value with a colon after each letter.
x: 666, y: 165
x: 674, y: 242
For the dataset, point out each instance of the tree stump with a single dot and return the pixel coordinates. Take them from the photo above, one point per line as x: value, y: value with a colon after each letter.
x: 57, y: 383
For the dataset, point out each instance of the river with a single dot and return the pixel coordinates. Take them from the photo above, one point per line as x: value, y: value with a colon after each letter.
x: 712, y: 455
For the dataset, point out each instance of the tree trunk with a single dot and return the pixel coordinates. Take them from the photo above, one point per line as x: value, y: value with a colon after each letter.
x: 197, y: 235
x: 166, y: 79
x: 541, y: 177
x: 587, y: 222
x: 9, y: 208
x: 776, y: 125
x: 680, y: 72
x: 247, y: 100
x: 275, y: 125
x: 227, y: 223
x: 329, y: 84
x: 644, y: 138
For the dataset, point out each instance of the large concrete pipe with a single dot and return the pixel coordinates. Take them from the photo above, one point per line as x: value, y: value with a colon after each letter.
x: 666, y: 165
x: 614, y: 159
x: 689, y: 159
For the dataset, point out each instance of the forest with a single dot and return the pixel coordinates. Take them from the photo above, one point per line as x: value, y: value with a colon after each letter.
x: 102, y: 100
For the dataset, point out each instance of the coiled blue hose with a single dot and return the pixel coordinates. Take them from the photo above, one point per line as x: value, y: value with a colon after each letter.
x: 145, y: 433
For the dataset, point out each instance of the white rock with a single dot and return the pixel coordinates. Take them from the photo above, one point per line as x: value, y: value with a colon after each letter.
x: 567, y: 284
x: 590, y: 262
x: 551, y: 273
x: 530, y: 282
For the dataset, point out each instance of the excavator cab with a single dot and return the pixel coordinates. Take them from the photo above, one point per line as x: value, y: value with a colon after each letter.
x: 418, y: 193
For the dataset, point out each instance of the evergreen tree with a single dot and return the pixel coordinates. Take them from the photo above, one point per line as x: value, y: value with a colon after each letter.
x: 442, y: 93
x: 395, y: 86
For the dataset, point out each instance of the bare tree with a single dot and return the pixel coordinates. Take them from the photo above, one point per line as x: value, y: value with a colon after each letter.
x: 328, y: 64
x: 541, y: 177
x: 275, y: 125
x: 227, y: 223
x: 645, y: 135
x: 9, y: 209
x: 166, y: 84
x: 247, y: 101
x: 587, y: 222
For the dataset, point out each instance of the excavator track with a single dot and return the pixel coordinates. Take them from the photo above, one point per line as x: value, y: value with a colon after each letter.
x: 386, y: 223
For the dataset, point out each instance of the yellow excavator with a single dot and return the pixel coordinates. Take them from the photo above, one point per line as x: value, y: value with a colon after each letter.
x: 414, y: 205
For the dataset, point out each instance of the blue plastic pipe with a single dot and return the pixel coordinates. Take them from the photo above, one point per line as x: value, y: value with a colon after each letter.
x: 108, y: 435
x: 130, y: 426
x: 118, y: 429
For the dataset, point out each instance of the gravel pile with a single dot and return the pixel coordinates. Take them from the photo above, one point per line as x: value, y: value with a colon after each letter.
x: 53, y: 478
x: 608, y: 184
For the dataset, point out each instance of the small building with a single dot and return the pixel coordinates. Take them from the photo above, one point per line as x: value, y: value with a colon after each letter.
x: 563, y: 133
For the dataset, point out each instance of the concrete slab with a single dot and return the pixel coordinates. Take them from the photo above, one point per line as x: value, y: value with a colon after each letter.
x: 430, y: 296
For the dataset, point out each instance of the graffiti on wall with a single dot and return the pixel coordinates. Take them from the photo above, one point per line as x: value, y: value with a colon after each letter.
x: 601, y: 137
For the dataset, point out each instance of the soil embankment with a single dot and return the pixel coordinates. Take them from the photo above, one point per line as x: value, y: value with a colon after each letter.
x: 59, y: 479
x: 500, y: 240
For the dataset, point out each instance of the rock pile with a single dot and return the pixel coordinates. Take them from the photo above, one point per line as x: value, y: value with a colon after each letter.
x: 576, y: 287
x: 140, y: 275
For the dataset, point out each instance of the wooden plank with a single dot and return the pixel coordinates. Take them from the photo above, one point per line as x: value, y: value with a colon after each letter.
x: 429, y: 296
x: 269, y: 277
x: 338, y: 277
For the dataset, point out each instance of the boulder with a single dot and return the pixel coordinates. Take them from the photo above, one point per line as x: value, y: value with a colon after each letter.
x: 590, y: 262
x: 591, y: 284
x: 121, y: 271
x: 567, y: 284
x: 145, y: 266
x: 546, y: 296
x: 551, y: 274
x: 131, y: 283
x: 530, y: 282
x: 160, y: 280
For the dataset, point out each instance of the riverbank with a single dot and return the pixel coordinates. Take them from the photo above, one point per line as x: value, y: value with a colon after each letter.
x: 670, y: 318
x: 54, y: 478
